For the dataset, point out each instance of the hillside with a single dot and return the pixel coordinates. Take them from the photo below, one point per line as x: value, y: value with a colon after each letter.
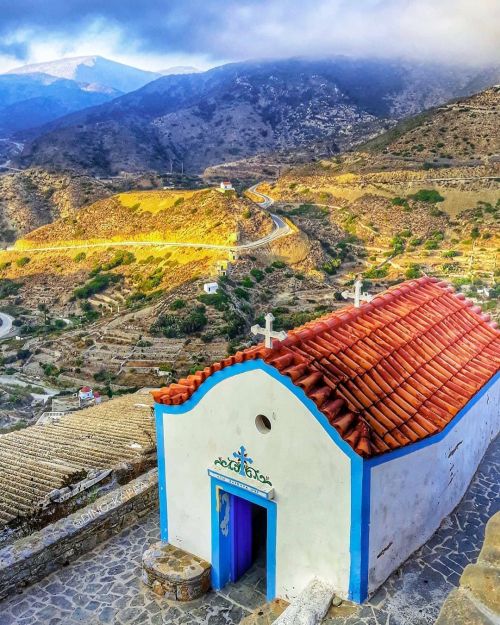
x: 461, y: 133
x: 404, y: 213
x: 35, y: 197
x: 206, y: 216
x: 238, y: 110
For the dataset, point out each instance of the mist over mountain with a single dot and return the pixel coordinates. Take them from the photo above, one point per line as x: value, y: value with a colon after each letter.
x: 241, y: 109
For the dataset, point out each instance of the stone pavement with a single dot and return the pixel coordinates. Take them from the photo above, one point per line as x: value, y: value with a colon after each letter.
x: 105, y: 585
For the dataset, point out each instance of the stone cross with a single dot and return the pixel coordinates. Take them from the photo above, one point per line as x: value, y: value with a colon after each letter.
x: 357, y: 296
x: 268, y: 331
x: 241, y: 454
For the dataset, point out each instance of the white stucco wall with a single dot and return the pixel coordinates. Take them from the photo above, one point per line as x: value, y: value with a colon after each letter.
x: 412, y: 494
x: 310, y: 475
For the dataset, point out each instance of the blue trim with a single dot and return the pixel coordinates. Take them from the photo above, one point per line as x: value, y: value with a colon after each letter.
x: 254, y: 365
x: 360, y: 530
x: 221, y: 556
x: 360, y: 468
x: 162, y: 477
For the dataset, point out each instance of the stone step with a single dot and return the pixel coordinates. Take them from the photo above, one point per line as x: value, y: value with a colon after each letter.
x: 310, y: 607
x: 175, y: 574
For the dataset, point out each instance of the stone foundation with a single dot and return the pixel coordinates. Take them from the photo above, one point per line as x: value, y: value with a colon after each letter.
x: 174, y: 573
x: 31, y: 558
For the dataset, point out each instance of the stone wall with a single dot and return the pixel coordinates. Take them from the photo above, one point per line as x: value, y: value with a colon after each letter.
x: 33, y: 557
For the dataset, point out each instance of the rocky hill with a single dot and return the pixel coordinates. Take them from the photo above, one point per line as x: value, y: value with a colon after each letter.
x: 35, y: 197
x: 237, y: 110
x: 461, y: 133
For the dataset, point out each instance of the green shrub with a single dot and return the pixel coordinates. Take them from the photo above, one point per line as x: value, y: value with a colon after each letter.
x: 9, y: 287
x: 98, y: 283
x: 257, y: 274
x: 427, y: 195
x: 247, y: 282
x: 79, y: 257
x: 218, y: 300
x: 23, y: 261
x: 400, y: 201
x: 177, y: 304
x: 331, y: 266
x: 413, y: 272
x: 431, y: 244
x: 241, y: 293
x: 380, y: 272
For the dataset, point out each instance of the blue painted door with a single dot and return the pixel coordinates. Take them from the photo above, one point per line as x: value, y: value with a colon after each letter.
x: 241, y: 536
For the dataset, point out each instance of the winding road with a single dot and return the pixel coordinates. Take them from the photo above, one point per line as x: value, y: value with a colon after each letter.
x: 281, y: 229
x: 6, y: 326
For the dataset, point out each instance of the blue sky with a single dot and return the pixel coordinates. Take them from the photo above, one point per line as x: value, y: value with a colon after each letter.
x: 155, y: 34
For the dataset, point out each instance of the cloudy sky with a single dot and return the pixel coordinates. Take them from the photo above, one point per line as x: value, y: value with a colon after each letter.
x: 154, y: 34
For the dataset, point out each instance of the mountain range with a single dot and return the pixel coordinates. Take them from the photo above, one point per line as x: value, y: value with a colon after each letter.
x: 237, y: 110
x: 93, y: 70
x: 34, y: 95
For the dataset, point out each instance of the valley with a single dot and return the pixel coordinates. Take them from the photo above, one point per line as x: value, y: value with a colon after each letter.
x: 104, y: 277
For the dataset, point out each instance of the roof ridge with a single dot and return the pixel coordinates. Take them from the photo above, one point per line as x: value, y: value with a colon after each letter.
x: 350, y: 313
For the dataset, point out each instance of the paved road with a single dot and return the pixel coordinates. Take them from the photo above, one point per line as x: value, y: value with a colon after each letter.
x: 104, y: 586
x: 6, y: 325
x: 281, y: 229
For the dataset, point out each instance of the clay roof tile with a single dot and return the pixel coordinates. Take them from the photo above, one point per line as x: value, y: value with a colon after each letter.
x: 394, y: 371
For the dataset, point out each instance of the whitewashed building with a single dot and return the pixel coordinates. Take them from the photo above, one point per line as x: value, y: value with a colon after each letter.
x: 211, y: 287
x: 226, y: 185
x: 339, y: 449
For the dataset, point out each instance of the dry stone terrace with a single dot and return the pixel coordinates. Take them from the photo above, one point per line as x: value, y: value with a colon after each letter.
x: 117, y: 435
x: 105, y: 585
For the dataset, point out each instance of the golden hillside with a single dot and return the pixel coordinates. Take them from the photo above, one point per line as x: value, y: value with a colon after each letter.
x: 175, y: 216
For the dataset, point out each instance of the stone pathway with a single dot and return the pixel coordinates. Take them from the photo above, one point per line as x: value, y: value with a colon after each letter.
x: 105, y: 587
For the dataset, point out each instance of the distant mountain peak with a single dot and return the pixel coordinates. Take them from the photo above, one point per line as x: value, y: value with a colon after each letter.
x: 179, y: 69
x: 93, y: 69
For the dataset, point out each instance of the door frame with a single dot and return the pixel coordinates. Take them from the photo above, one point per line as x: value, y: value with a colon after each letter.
x: 221, y: 558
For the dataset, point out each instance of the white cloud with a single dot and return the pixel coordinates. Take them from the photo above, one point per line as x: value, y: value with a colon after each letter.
x: 187, y: 32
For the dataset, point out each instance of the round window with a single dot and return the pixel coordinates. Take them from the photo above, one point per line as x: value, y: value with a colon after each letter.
x: 263, y: 424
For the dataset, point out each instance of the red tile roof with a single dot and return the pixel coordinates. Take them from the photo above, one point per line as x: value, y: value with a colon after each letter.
x: 387, y: 374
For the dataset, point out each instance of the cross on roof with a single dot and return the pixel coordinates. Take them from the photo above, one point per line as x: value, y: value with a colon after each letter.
x: 357, y: 296
x: 242, y: 456
x: 268, y: 331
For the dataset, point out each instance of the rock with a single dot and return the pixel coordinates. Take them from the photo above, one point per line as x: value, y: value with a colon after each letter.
x: 310, y: 606
x: 459, y: 610
x: 158, y: 588
x: 484, y: 583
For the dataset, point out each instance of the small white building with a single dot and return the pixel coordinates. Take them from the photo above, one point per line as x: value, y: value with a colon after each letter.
x: 211, y: 287
x: 338, y: 450
x: 85, y: 394
x: 226, y: 185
